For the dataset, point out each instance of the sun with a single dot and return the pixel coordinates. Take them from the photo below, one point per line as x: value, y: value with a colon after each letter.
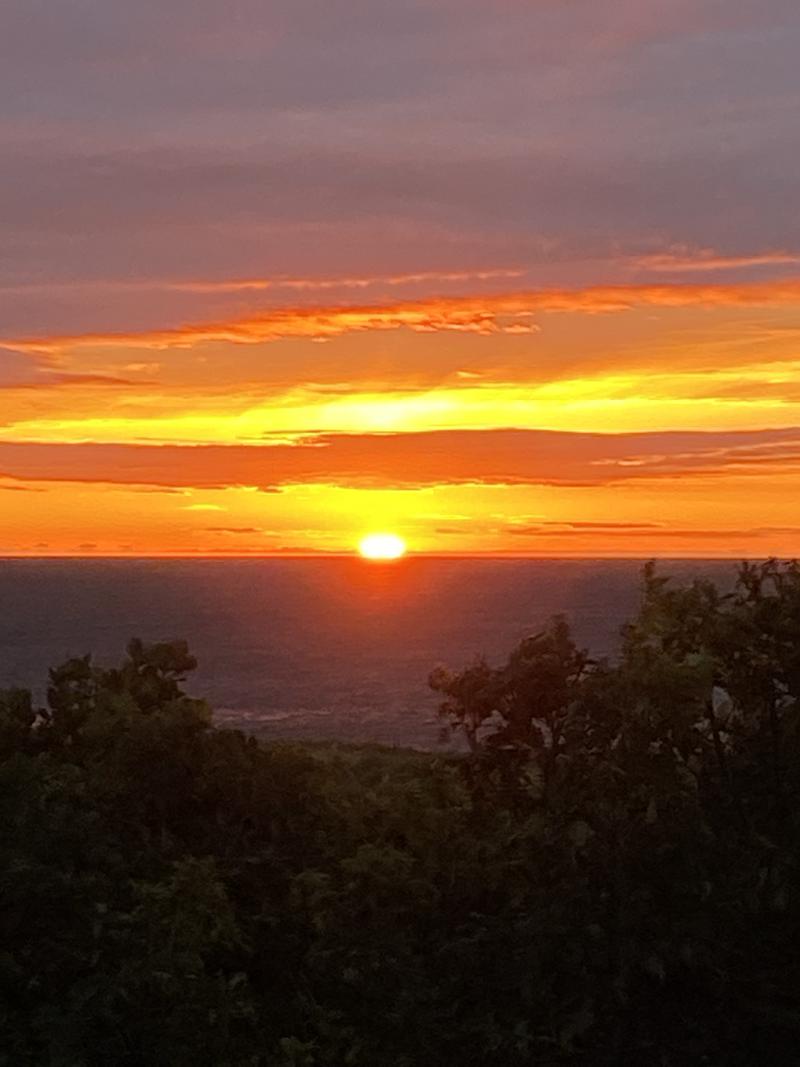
x: 382, y: 546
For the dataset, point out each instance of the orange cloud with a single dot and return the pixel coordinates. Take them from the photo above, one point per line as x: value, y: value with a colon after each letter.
x: 233, y: 529
x: 413, y: 460
x: 481, y: 314
x: 318, y: 284
x: 640, y: 531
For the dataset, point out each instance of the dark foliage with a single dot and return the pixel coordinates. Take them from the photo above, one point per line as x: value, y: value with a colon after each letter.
x: 610, y: 876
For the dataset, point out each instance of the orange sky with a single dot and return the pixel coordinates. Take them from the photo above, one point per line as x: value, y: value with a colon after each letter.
x: 529, y: 285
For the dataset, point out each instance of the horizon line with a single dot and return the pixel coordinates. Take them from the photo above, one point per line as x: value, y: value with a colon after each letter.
x: 409, y: 556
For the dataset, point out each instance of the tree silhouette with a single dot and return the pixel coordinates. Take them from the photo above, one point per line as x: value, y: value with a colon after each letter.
x: 610, y: 875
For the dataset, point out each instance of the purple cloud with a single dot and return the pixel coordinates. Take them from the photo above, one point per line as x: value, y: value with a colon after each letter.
x: 142, y: 141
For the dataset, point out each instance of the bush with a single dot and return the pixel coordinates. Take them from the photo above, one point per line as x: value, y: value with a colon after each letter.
x: 610, y: 876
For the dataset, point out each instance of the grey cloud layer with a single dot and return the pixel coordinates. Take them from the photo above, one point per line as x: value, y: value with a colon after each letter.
x: 247, y: 138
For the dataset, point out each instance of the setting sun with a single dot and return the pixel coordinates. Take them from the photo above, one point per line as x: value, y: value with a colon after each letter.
x: 382, y: 546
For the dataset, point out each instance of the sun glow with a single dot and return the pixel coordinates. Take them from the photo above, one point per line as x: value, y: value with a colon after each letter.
x: 382, y: 546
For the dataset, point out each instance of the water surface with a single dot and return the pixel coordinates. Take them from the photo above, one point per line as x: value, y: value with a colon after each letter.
x: 313, y: 648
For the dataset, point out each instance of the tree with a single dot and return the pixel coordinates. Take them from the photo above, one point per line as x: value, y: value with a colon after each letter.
x: 672, y: 779
x: 610, y: 875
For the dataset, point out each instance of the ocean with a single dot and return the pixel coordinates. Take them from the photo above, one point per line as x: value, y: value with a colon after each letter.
x: 328, y: 649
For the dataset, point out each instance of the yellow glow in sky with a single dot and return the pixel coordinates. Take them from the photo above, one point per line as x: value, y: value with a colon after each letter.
x: 657, y: 430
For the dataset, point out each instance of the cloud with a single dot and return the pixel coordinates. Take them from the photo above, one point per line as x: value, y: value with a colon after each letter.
x: 484, y: 314
x: 641, y: 532
x: 591, y: 526
x: 233, y: 529
x: 636, y: 536
x: 414, y: 460
x: 321, y: 284
x: 20, y: 368
x: 278, y: 283
x: 374, y: 137
x: 32, y: 370
x: 49, y: 380
x: 708, y: 260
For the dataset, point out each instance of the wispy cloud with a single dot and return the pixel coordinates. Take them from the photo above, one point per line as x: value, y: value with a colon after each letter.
x: 233, y: 529
x: 484, y: 314
x: 34, y: 370
x: 276, y: 283
x: 686, y: 260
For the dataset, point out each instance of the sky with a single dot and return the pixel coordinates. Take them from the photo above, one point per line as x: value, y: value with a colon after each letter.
x: 515, y: 277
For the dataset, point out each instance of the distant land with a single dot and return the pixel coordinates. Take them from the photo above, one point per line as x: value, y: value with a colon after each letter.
x: 313, y: 648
